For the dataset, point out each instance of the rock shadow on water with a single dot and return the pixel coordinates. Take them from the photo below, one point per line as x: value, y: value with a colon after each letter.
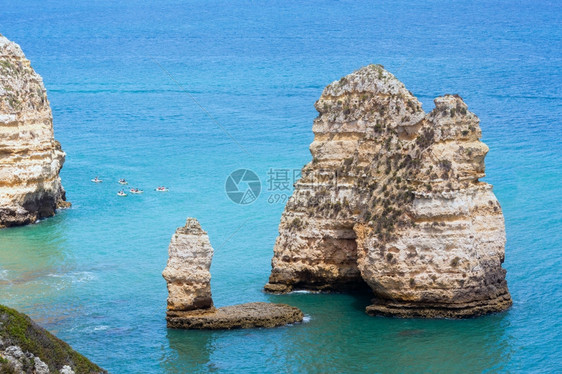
x: 191, y: 350
x: 439, y: 345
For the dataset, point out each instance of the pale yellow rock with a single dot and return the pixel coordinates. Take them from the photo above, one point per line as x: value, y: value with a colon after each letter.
x: 30, y: 157
x: 190, y: 304
x: 392, y: 198
x: 188, y: 270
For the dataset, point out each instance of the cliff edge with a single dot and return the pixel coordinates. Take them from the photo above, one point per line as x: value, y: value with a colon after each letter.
x: 393, y: 198
x: 27, y: 348
x: 30, y: 157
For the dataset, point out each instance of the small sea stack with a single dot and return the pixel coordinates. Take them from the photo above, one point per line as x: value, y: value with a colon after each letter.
x: 190, y: 304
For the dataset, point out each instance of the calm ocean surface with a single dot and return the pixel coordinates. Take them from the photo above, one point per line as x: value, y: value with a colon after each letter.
x: 92, y: 274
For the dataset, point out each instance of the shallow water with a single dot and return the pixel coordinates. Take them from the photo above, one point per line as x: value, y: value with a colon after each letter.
x: 92, y: 273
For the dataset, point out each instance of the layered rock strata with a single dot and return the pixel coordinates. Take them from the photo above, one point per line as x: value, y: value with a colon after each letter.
x: 190, y: 304
x: 393, y: 198
x: 30, y: 157
x: 188, y: 270
x: 240, y: 316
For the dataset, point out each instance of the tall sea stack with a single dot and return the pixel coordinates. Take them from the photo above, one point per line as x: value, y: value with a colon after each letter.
x: 190, y: 304
x: 30, y: 157
x: 393, y: 198
x: 188, y: 270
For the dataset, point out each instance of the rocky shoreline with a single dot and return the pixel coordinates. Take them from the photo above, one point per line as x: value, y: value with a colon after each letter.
x: 392, y: 201
x: 27, y: 348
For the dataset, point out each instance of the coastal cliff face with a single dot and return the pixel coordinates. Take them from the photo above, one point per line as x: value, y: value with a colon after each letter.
x: 30, y: 157
x: 187, y: 272
x: 392, y: 198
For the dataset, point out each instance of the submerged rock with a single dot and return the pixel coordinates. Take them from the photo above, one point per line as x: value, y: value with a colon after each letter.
x: 30, y: 157
x: 392, y: 198
x: 26, y: 348
x: 190, y: 304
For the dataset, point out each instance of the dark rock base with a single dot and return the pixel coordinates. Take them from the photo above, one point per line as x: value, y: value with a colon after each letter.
x: 35, y: 207
x: 318, y: 285
x: 242, y: 316
x: 398, y: 309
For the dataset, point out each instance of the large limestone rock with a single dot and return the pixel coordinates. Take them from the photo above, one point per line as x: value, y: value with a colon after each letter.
x: 30, y: 157
x: 188, y: 270
x: 190, y: 304
x: 392, y: 198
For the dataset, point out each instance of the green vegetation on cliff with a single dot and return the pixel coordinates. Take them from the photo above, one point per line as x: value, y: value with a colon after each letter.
x: 19, y: 330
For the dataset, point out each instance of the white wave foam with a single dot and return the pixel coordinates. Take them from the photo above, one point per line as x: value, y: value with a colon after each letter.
x: 90, y: 329
x: 303, y: 291
x: 4, y: 274
x: 75, y: 276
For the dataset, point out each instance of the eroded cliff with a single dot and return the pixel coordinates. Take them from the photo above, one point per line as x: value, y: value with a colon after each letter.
x: 392, y: 198
x: 30, y: 157
x: 188, y: 270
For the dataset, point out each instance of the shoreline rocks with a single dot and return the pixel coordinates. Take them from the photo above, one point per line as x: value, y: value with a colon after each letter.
x: 27, y: 348
x: 30, y: 157
x: 392, y: 199
x: 190, y: 304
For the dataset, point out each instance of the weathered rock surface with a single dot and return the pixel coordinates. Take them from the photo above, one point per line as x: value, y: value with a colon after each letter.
x: 241, y: 316
x: 30, y: 157
x: 187, y: 273
x: 393, y: 198
x: 190, y: 304
x: 26, y: 348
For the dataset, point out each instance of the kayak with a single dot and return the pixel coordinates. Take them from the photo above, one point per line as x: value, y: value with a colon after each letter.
x: 95, y: 180
x: 122, y: 194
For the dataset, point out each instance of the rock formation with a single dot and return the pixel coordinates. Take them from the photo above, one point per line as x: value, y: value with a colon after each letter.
x: 392, y: 198
x: 190, y: 305
x: 27, y: 348
x: 241, y: 316
x: 30, y: 157
x: 187, y: 272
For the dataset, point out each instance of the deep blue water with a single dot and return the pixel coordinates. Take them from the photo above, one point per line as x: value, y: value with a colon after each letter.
x: 116, y: 75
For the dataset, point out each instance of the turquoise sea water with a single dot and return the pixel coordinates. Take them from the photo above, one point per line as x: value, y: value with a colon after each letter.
x: 92, y: 273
